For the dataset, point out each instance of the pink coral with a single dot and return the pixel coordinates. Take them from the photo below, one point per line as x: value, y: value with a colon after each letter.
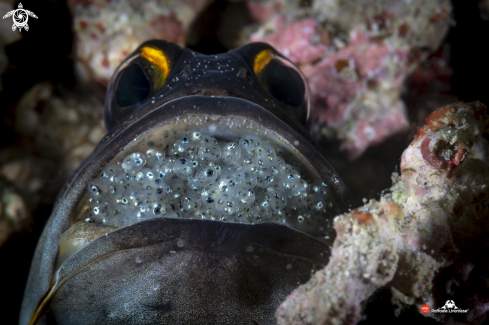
x: 356, y: 56
x: 296, y: 40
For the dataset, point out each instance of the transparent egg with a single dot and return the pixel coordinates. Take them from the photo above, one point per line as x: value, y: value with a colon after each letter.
x: 266, y: 155
x: 317, y: 202
x: 164, y: 170
x: 183, y: 147
x: 231, y: 152
x: 209, y: 214
x: 207, y: 140
x: 247, y: 178
x: 173, y: 206
x: 302, y: 219
x: 260, y: 213
x: 209, y: 151
x: 228, y: 182
x: 109, y: 174
x: 134, y: 161
x: 207, y: 175
x: 122, y: 203
x: 158, y: 209
x: 260, y: 196
x: 246, y: 197
x: 183, y: 168
x: 94, y: 189
x: 319, y: 187
x: 152, y: 209
x: 102, y: 210
x: 250, y: 144
x: 145, y: 176
x: 175, y: 188
x: 175, y: 215
x: 209, y: 196
x: 191, y: 201
x: 297, y: 202
x: 228, y: 218
x: 136, y: 198
x: 227, y: 203
x: 291, y: 181
x: 114, y: 190
x: 155, y: 191
x: 291, y: 171
x: 244, y: 215
x: 264, y: 178
x: 195, y: 185
x: 294, y: 186
x: 278, y: 167
x: 125, y: 179
x: 276, y: 200
x: 154, y: 156
x: 217, y: 166
x: 249, y: 164
x: 196, y: 136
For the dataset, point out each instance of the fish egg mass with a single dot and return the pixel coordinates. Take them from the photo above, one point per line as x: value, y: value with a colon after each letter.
x: 200, y: 177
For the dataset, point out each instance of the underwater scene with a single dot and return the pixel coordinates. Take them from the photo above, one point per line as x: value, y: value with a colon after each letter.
x: 244, y: 162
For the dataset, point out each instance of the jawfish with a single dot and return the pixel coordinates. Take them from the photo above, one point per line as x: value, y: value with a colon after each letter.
x: 206, y: 202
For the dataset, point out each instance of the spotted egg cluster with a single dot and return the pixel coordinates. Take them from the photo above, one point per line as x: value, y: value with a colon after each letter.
x: 199, y: 177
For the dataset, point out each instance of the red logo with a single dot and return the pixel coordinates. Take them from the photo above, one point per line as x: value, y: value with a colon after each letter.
x: 425, y: 308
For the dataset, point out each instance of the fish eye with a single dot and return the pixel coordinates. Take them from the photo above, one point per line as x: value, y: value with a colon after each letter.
x: 133, y: 88
x: 282, y: 80
x: 138, y: 78
x: 285, y: 84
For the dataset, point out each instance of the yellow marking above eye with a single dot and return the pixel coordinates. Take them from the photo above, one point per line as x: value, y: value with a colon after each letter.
x: 160, y: 60
x: 262, y: 59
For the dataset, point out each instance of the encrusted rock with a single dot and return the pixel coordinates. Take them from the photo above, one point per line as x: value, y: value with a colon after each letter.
x: 108, y: 31
x: 426, y: 238
x: 15, y: 214
x: 356, y: 55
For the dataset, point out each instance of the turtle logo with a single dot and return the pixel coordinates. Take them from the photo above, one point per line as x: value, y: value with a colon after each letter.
x: 20, y: 17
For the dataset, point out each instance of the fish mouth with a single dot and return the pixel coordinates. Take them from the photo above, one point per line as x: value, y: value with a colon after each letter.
x: 225, y: 118
x: 259, y: 264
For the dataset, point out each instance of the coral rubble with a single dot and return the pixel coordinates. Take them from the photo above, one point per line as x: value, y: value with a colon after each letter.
x: 426, y: 238
x: 108, y: 31
x: 356, y: 56
x: 57, y: 130
x: 15, y: 213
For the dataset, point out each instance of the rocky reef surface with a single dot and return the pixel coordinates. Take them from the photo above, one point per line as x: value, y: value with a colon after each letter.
x: 108, y: 31
x: 356, y: 56
x: 426, y: 238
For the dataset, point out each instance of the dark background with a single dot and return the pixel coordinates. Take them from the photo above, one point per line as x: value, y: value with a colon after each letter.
x: 45, y: 53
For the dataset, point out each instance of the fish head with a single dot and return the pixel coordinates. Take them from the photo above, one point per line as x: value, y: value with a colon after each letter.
x: 137, y: 237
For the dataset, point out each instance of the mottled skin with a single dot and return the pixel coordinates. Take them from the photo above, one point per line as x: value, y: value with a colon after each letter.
x: 219, y: 273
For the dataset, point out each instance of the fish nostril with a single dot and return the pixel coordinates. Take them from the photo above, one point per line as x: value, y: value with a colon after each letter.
x: 198, y: 92
x: 187, y: 71
x: 211, y: 92
x: 241, y: 73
